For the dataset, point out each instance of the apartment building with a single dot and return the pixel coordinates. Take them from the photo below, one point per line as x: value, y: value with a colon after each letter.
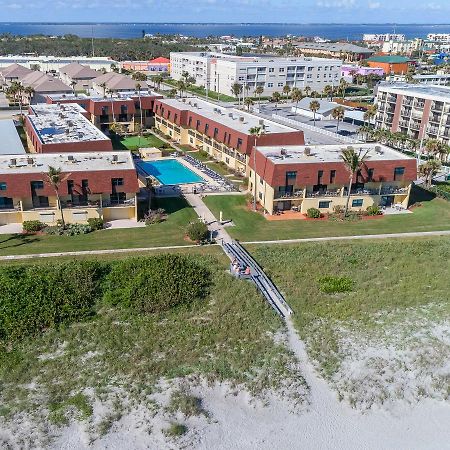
x: 301, y: 177
x: 115, y: 83
x: 384, y: 37
x: 390, y: 64
x: 435, y: 79
x: 151, y: 67
x: 341, y: 50
x: 439, y: 37
x: 96, y: 185
x: 62, y: 128
x: 218, y: 71
x: 420, y: 111
x: 125, y: 108
x: 78, y: 76
x: 222, y: 132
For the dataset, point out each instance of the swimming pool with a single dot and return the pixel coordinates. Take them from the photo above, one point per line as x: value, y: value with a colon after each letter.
x: 170, y: 172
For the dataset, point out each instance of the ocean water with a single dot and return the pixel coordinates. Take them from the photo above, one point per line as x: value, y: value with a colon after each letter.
x: 134, y: 30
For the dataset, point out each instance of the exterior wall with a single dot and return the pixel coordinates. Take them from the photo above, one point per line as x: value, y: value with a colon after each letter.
x: 398, y: 68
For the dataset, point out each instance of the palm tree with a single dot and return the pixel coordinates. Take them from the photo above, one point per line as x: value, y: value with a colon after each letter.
x: 353, y: 162
x: 73, y: 83
x: 29, y: 91
x: 370, y: 113
x: 157, y: 79
x: 296, y: 96
x: 314, y: 106
x: 112, y: 104
x: 259, y: 91
x: 307, y: 91
x: 172, y: 93
x: 429, y: 170
x: 328, y: 92
x: 16, y: 90
x: 338, y: 114
x: 181, y: 86
x: 342, y: 87
x: 248, y: 102
x: 434, y: 147
x: 256, y: 132
x: 314, y: 94
x: 286, y: 90
x: 139, y: 76
x: 236, y: 90
x: 54, y: 179
x: 103, y: 86
x: 138, y: 89
x: 276, y: 97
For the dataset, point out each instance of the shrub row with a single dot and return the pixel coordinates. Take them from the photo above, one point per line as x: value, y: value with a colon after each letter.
x: 38, y: 297
x: 71, y: 229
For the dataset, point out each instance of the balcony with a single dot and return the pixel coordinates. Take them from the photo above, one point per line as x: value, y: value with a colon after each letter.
x: 295, y: 194
x: 315, y: 194
x: 119, y: 203
x: 393, y: 191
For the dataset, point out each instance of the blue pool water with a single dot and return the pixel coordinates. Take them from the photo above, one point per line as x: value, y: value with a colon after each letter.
x: 170, y: 172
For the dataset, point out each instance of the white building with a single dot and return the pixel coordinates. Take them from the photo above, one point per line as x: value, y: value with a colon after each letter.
x: 383, y: 37
x: 219, y: 71
x: 402, y: 47
x: 54, y: 63
x: 439, y: 37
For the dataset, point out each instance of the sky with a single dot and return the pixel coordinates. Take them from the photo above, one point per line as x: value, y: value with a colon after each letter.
x: 291, y: 11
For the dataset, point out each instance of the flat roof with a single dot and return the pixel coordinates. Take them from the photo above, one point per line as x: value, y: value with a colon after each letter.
x: 67, y: 162
x: 99, y: 98
x: 292, y: 154
x: 230, y: 117
x: 10, y: 143
x: 64, y: 123
x: 434, y: 92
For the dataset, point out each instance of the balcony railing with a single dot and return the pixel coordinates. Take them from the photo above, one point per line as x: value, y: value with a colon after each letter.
x: 289, y: 195
x: 108, y: 203
x: 393, y: 191
x: 315, y: 194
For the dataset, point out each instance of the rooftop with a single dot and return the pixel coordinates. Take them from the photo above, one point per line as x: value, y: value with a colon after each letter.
x: 327, y: 153
x: 10, y: 142
x: 64, y: 123
x: 67, y: 162
x: 427, y: 91
x: 116, y: 81
x: 230, y: 117
x: 76, y: 70
x: 99, y: 98
x: 391, y: 59
x: 335, y: 47
x: 325, y: 106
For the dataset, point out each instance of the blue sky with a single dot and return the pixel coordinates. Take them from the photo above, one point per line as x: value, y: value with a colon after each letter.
x: 293, y: 11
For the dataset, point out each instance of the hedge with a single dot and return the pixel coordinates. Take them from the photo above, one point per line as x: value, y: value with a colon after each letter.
x: 35, y: 298
x: 156, y: 284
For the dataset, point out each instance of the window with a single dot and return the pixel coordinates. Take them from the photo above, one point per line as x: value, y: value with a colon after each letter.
x: 117, y: 198
x: 291, y: 175
x: 216, y: 132
x: 398, y: 173
x: 261, y: 181
x: 319, y: 68
x: 2, y: 186
x: 239, y: 143
x: 269, y: 84
x: 319, y: 176
x: 117, y: 181
x: 37, y: 185
x: 260, y: 195
x: 357, y: 203
x: 190, y: 121
x: 206, y: 128
x: 261, y: 69
x: 370, y: 174
x: 332, y: 176
x: 281, y: 69
x: 324, y: 204
x: 6, y: 203
x: 271, y: 69
x: 70, y: 185
x: 197, y: 124
x: 241, y: 78
x: 85, y: 185
x: 309, y: 76
x: 280, y: 84
x: 310, y: 69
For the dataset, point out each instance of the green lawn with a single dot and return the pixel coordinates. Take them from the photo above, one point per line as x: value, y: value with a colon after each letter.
x: 199, y: 90
x: 434, y: 214
x: 170, y: 232
x: 135, y: 142
x: 400, y: 294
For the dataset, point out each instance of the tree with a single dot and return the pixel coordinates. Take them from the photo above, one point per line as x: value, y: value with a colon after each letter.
x: 314, y: 94
x: 236, y: 89
x: 73, y: 83
x: 29, y: 91
x: 353, y: 162
x: 328, y: 92
x: 307, y: 91
x: 338, y: 114
x: 256, y: 132
x: 276, y: 97
x: 172, y: 93
x: 259, y: 91
x: 111, y: 92
x: 157, y: 79
x: 370, y: 113
x: 286, y: 90
x: 314, y: 106
x: 181, y: 86
x: 434, y: 147
x: 428, y: 170
x: 138, y: 89
x: 139, y: 76
x: 103, y: 86
x: 54, y: 179
x: 248, y: 102
x: 342, y: 87
x: 296, y: 96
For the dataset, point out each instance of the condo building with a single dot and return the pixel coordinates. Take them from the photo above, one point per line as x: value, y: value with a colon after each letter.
x: 384, y: 37
x: 62, y: 128
x: 439, y: 37
x: 420, y: 111
x: 96, y: 185
x: 301, y: 177
x: 218, y: 71
x: 222, y: 132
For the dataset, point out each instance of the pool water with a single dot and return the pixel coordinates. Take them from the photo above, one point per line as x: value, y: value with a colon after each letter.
x: 170, y: 172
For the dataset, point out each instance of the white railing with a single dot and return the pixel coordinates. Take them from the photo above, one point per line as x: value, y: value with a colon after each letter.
x: 315, y: 129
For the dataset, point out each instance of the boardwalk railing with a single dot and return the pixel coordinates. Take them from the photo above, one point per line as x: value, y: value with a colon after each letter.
x: 264, y: 284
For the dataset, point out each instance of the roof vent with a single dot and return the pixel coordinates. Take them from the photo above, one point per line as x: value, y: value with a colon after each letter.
x: 13, y: 162
x: 230, y: 115
x: 195, y: 105
x: 241, y: 118
x: 283, y: 151
x: 307, y: 151
x: 261, y: 122
x: 377, y: 148
x: 30, y: 161
x: 115, y: 158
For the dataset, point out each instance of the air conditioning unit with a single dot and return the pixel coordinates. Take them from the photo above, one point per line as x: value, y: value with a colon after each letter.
x: 30, y: 161
x: 283, y: 152
x: 241, y: 118
x: 230, y: 115
x: 261, y: 122
x: 13, y: 162
x: 307, y: 151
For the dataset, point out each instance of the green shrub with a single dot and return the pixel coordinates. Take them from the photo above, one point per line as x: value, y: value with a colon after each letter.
x: 313, y: 213
x: 156, y: 284
x: 31, y: 226
x: 331, y: 285
x: 95, y: 223
x: 155, y: 216
x: 54, y: 231
x: 373, y: 210
x: 176, y: 430
x: 74, y: 229
x: 34, y: 298
x: 197, y: 231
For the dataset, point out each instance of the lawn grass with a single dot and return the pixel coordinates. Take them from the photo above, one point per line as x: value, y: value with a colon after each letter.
x: 170, y: 232
x: 399, y: 287
x: 433, y: 214
x: 199, y: 90
x: 121, y: 355
x: 134, y: 142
